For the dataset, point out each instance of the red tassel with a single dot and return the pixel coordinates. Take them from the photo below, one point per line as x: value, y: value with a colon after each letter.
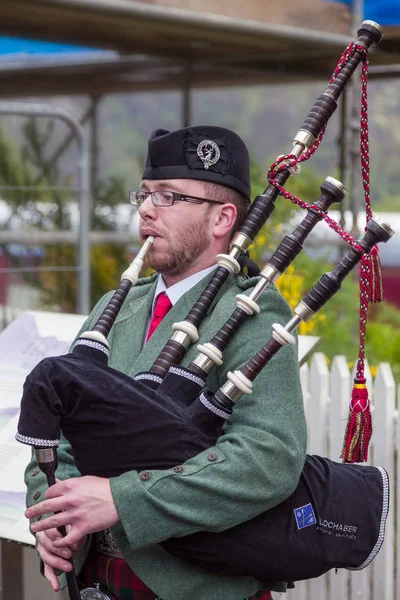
x: 359, y: 425
x: 373, y: 273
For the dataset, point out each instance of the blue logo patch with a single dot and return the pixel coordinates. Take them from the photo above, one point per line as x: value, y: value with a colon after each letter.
x: 304, y: 516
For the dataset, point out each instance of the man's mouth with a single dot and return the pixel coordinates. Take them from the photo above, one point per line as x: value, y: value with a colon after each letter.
x: 145, y: 232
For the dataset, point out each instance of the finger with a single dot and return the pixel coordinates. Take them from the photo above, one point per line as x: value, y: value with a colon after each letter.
x: 53, y: 534
x: 57, y: 489
x: 45, y: 507
x: 51, y: 578
x: 51, y: 522
x: 75, y: 547
x: 65, y: 552
x: 74, y: 536
x: 48, y: 545
x: 52, y: 560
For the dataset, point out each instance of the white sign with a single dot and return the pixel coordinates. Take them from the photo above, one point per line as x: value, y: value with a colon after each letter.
x: 29, y: 338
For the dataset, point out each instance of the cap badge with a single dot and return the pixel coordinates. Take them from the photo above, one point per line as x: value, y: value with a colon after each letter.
x: 208, y: 152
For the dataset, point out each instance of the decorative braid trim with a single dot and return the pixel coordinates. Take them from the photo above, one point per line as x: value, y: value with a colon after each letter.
x: 93, y: 344
x: 385, y: 510
x: 149, y: 376
x: 187, y: 375
x: 36, y: 441
x: 214, y: 409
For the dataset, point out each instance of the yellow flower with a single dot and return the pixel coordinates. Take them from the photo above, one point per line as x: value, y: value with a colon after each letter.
x: 374, y: 370
x: 261, y: 240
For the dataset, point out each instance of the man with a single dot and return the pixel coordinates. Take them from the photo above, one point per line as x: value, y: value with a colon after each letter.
x: 194, y: 193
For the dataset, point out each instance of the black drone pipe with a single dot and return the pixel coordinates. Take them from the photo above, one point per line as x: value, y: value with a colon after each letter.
x: 209, y: 354
x: 328, y: 285
x: 185, y: 333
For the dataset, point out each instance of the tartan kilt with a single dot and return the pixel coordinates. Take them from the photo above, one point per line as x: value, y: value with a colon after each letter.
x: 118, y: 581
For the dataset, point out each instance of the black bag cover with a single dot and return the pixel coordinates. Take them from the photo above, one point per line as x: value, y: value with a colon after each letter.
x: 113, y: 422
x: 335, y: 517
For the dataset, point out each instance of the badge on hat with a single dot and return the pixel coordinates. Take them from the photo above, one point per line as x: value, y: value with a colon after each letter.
x: 208, y: 156
x: 208, y: 152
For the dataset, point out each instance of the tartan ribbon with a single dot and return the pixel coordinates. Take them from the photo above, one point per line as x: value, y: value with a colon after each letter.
x: 118, y: 581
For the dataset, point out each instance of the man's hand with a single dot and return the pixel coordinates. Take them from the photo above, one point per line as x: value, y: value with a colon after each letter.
x: 86, y: 505
x: 53, y: 557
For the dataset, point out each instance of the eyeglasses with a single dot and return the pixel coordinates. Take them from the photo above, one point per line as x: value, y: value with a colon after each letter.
x: 161, y: 198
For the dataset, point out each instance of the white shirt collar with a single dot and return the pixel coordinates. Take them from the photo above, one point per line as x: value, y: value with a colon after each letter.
x: 176, y: 291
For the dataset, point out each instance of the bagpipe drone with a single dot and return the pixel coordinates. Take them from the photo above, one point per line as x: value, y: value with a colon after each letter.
x: 167, y: 415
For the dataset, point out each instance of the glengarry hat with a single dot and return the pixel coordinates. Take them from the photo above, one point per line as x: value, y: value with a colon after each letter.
x: 203, y: 152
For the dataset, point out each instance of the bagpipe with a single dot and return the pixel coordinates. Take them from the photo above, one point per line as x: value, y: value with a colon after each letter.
x: 167, y: 415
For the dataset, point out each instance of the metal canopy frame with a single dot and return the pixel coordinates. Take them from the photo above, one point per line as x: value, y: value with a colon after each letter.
x: 159, y: 45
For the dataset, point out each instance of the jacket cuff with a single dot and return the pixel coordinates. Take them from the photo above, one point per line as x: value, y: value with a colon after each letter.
x: 148, y: 515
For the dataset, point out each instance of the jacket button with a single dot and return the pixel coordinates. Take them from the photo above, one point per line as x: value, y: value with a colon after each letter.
x: 36, y: 496
x: 35, y: 472
x: 178, y: 469
x: 145, y: 476
x: 212, y: 457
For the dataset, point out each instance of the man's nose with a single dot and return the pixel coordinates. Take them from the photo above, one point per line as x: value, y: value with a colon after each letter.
x: 147, y: 208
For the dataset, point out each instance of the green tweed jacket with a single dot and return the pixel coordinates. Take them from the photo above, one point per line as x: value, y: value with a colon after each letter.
x: 259, y: 456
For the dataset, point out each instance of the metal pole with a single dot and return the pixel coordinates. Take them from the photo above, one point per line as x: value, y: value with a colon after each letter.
x: 63, y: 146
x: 186, y: 96
x: 94, y: 145
x: 83, y: 187
x: 214, y: 24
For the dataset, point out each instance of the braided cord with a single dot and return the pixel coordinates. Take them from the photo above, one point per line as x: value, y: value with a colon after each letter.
x: 364, y: 139
x: 365, y: 267
x: 289, y: 160
x: 347, y: 237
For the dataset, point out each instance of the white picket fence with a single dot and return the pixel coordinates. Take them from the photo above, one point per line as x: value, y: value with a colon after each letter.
x: 7, y: 314
x: 326, y: 396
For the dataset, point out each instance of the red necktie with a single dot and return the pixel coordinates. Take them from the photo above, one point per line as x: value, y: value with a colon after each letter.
x: 162, y: 306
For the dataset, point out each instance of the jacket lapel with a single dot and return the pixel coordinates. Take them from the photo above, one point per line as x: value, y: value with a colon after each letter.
x: 129, y: 329
x: 129, y: 354
x: 178, y: 312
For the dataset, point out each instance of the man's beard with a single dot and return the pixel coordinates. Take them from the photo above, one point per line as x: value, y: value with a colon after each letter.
x: 184, y: 251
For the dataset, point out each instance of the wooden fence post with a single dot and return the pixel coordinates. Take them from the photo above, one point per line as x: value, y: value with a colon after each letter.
x: 338, y: 411
x: 383, y: 445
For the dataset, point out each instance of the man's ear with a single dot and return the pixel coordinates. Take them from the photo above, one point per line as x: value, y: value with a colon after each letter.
x: 224, y: 219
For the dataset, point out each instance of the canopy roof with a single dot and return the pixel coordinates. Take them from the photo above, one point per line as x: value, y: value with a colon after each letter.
x: 150, y: 46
